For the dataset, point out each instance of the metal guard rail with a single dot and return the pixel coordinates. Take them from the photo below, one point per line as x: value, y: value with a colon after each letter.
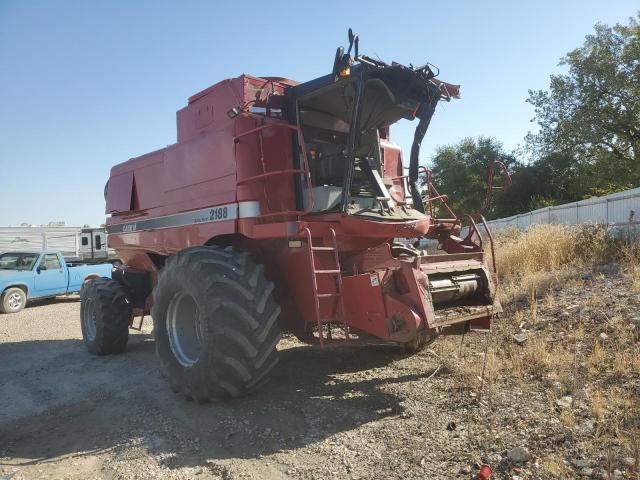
x: 432, y: 194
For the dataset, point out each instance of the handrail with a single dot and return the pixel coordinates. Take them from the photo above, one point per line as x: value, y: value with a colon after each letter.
x: 444, y: 201
x: 432, y: 192
x: 293, y: 171
x: 433, y: 199
x: 473, y: 229
x: 448, y: 220
x: 488, y: 198
x: 404, y: 178
x: 270, y: 174
x: 491, y: 243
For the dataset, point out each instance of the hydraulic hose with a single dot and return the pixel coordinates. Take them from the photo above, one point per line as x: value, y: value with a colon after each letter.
x: 425, y: 112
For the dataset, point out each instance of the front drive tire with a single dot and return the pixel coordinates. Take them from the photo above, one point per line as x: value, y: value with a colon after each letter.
x: 105, y: 314
x: 12, y: 300
x: 215, y: 323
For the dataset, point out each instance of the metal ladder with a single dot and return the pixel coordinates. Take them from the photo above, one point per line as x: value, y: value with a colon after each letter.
x: 336, y: 273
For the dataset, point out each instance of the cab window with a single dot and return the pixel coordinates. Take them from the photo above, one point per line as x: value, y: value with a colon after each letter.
x: 51, y: 262
x: 18, y: 261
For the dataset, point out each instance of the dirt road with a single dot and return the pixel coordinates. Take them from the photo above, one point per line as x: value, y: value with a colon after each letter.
x: 332, y: 413
x: 352, y: 413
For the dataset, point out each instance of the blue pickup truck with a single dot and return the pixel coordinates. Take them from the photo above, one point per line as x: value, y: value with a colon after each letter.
x: 30, y: 275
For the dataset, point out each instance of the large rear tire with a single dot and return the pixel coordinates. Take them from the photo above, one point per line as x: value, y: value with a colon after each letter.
x: 105, y: 314
x: 215, y: 323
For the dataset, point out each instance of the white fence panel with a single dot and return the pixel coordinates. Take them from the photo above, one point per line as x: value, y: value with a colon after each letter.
x: 619, y: 210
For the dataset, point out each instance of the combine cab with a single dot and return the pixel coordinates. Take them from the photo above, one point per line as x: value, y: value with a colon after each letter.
x: 284, y: 206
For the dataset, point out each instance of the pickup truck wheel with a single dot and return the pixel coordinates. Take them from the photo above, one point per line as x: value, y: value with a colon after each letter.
x: 105, y: 314
x: 215, y: 323
x: 13, y: 300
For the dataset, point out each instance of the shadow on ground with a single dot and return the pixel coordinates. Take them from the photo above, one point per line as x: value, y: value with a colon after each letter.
x: 99, y: 404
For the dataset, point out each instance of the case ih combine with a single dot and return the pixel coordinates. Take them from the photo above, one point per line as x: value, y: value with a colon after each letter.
x: 277, y: 210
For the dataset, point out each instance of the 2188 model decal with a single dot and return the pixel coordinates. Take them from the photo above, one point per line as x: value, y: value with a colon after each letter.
x: 218, y: 213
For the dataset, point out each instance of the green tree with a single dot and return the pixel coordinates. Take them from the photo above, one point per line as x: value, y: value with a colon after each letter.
x: 460, y: 171
x: 549, y: 180
x: 592, y: 113
x: 588, y: 142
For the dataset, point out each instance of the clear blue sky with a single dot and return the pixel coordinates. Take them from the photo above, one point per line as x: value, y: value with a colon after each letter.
x: 88, y: 84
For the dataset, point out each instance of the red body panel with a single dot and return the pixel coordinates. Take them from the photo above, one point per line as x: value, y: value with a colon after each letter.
x: 373, y: 317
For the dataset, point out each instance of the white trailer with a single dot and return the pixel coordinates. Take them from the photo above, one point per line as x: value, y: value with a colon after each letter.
x: 77, y: 244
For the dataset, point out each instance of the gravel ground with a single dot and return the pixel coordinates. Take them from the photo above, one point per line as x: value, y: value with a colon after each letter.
x: 333, y: 413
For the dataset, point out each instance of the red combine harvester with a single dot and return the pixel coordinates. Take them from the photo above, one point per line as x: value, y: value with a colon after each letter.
x: 280, y: 208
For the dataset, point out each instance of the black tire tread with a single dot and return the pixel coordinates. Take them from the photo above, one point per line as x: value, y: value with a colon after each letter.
x: 241, y: 323
x: 114, y: 314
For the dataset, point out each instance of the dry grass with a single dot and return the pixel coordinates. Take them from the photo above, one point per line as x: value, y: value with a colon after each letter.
x: 596, y: 374
x: 564, y: 353
x: 554, y: 467
x: 548, y: 255
x: 551, y: 255
x: 615, y: 411
x: 630, y: 263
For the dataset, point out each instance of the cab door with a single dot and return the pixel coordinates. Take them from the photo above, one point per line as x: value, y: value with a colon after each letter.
x: 50, y: 276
